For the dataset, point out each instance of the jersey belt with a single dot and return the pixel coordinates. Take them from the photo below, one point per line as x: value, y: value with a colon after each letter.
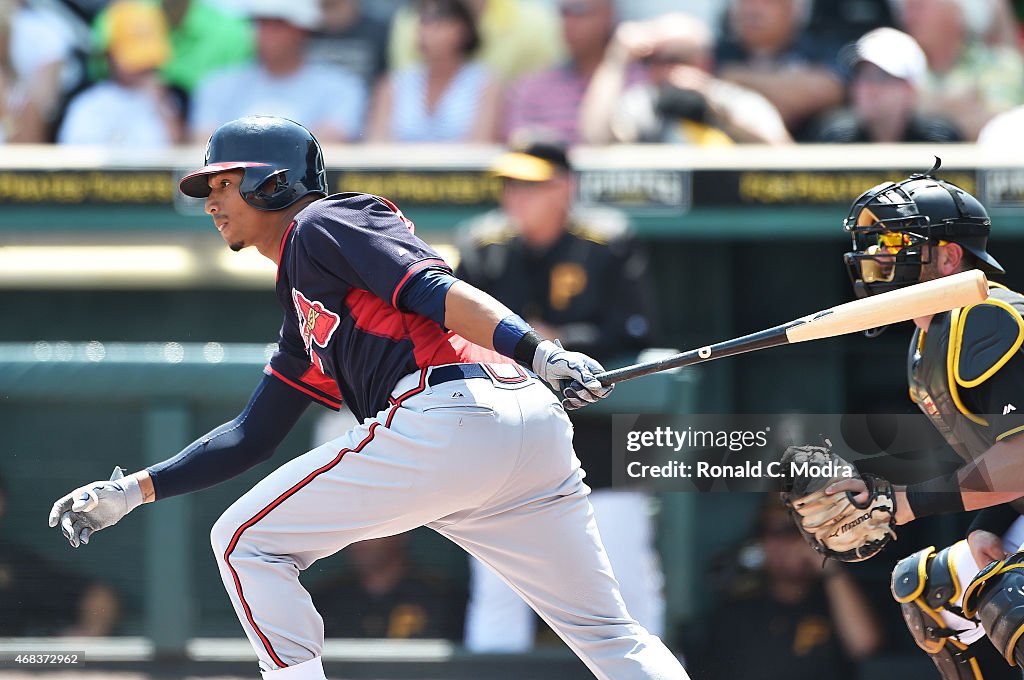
x: 450, y: 372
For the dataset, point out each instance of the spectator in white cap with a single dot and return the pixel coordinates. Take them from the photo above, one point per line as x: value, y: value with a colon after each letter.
x: 327, y: 99
x: 888, y: 67
x: 967, y: 80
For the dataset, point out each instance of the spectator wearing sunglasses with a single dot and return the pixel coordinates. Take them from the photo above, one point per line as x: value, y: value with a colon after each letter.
x: 681, y: 101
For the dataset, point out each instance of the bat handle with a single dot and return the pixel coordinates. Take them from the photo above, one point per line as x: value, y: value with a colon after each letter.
x: 626, y: 373
x: 770, y: 337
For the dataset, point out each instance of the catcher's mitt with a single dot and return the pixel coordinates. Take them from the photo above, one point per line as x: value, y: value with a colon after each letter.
x: 836, y: 525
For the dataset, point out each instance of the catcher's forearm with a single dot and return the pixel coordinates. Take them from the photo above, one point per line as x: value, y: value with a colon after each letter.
x: 976, y: 500
x: 994, y: 478
x: 904, y: 513
x: 958, y: 500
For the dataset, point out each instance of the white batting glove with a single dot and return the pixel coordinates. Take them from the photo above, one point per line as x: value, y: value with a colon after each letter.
x: 571, y: 374
x: 95, y: 506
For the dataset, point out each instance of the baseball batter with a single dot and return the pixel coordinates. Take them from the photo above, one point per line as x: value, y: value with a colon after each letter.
x: 965, y: 373
x: 454, y: 434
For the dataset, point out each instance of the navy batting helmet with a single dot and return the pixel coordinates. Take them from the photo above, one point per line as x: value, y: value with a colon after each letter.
x: 282, y: 162
x: 891, y: 224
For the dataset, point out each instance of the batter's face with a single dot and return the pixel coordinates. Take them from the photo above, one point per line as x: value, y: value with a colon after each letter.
x: 239, y: 223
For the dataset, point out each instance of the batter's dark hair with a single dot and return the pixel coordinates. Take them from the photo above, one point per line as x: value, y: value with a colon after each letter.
x: 460, y: 11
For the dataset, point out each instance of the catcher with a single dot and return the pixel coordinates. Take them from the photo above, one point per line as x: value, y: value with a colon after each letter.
x: 966, y: 373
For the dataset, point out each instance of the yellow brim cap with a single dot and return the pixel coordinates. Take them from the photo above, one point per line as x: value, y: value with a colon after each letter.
x: 524, y: 167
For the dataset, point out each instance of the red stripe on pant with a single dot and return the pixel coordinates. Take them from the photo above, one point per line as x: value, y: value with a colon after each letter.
x: 395, y: 403
x: 263, y: 513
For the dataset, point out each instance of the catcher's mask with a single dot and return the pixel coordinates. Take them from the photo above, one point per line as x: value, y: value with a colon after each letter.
x: 281, y: 161
x: 893, y: 224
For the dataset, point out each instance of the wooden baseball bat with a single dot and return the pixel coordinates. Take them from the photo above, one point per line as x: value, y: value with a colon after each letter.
x: 902, y: 304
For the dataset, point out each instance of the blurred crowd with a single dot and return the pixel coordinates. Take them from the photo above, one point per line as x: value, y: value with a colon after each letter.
x: 155, y: 73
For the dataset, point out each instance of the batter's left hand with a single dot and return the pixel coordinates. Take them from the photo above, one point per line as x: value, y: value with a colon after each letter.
x: 571, y: 374
x: 95, y: 506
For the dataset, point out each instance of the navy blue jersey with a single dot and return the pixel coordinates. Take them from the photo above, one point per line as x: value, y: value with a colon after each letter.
x: 344, y: 261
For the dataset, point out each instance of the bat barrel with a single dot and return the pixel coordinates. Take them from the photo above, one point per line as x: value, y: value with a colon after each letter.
x: 919, y: 300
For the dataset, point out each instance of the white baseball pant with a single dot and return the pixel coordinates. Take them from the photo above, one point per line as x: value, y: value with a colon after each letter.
x: 499, y: 621
x: 486, y: 462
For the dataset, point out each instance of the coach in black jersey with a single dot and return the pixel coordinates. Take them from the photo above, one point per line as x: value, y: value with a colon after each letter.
x: 575, y: 271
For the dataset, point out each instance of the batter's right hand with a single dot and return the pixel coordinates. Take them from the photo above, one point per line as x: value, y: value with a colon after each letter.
x: 95, y: 506
x: 571, y: 374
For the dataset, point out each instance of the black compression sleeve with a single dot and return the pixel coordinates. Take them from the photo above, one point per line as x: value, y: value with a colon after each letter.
x: 234, y: 447
x: 935, y: 496
x: 996, y: 519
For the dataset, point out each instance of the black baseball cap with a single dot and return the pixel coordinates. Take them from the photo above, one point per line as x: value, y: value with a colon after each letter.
x: 533, y: 160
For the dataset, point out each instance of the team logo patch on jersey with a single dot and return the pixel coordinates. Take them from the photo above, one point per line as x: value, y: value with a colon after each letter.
x: 316, y: 323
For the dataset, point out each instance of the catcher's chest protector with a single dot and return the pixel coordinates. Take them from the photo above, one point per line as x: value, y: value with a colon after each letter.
x: 938, y: 394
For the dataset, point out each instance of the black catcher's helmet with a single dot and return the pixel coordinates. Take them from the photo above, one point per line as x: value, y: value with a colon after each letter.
x: 267, y: 149
x: 891, y: 223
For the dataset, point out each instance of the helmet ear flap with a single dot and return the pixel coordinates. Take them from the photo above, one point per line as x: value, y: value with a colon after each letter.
x: 272, y: 192
x: 275, y: 184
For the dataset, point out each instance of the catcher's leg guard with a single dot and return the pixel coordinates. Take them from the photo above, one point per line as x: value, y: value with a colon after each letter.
x: 996, y: 597
x: 926, y: 584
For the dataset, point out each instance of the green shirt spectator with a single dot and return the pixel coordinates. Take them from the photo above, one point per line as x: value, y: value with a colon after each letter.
x: 993, y: 75
x: 968, y: 80
x: 203, y: 38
